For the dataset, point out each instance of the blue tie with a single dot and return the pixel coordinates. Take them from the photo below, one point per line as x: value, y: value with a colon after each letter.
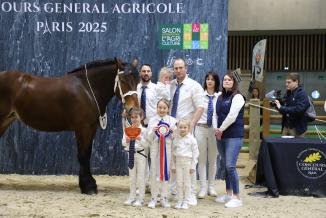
x: 143, y: 100
x: 175, y: 101
x: 131, y: 154
x: 210, y: 111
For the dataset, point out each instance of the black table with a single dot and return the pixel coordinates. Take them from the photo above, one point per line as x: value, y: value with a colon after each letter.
x: 292, y: 166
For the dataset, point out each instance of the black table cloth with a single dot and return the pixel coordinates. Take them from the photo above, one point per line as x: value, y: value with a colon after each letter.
x: 292, y: 166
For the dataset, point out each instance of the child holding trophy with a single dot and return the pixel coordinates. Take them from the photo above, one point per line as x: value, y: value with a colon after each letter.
x: 185, y: 159
x: 160, y: 129
x: 134, y: 140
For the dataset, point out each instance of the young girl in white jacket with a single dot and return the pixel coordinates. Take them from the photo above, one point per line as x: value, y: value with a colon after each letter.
x: 137, y: 170
x: 160, y: 130
x: 185, y: 159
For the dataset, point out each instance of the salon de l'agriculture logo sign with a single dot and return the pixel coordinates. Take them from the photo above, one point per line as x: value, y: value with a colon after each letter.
x: 184, y: 36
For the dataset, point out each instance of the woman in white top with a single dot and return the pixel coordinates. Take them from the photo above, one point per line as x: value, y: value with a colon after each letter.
x: 230, y: 132
x: 160, y: 127
x: 204, y: 133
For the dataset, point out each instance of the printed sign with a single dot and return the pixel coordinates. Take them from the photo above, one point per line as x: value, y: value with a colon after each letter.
x: 311, y: 163
x: 184, y: 36
x: 258, y: 57
x: 171, y: 36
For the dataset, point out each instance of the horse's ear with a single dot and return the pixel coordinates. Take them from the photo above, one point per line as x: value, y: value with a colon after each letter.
x: 119, y: 63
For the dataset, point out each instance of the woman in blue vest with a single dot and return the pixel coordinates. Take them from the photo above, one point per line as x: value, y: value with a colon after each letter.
x: 229, y: 110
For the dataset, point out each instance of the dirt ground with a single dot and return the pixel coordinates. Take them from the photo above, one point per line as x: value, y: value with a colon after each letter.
x: 59, y: 196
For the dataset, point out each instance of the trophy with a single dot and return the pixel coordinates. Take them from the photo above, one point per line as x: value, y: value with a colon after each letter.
x: 163, y: 131
x: 132, y: 133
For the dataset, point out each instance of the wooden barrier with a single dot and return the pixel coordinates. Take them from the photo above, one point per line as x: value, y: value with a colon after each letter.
x: 254, y: 129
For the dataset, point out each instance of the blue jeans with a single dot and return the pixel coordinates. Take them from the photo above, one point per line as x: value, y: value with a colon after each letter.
x: 229, y: 149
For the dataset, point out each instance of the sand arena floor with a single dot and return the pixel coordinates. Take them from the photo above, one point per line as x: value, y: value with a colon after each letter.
x: 59, y: 196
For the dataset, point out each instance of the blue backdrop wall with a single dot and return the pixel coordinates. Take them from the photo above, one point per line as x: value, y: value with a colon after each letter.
x: 49, y: 38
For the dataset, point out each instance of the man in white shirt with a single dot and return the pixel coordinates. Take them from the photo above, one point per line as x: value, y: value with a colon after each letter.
x: 147, y: 98
x: 191, y: 97
x: 187, y: 103
x: 146, y: 89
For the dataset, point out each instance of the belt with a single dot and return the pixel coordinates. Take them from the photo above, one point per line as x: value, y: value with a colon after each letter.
x: 205, y: 125
x: 139, y: 152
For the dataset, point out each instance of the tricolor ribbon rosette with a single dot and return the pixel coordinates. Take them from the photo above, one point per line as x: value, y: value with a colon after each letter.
x: 163, y: 131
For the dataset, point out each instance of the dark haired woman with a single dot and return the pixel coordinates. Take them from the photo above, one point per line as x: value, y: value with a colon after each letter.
x: 204, y: 133
x: 229, y: 109
x: 255, y: 93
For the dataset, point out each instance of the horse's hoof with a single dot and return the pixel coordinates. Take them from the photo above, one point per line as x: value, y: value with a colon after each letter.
x: 89, y: 192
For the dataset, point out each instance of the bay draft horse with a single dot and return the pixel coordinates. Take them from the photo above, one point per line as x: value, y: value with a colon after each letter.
x: 68, y: 103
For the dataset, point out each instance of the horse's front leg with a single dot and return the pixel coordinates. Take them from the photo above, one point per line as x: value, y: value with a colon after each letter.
x: 84, y: 138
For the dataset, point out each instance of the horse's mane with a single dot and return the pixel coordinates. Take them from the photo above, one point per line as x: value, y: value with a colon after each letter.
x: 93, y: 64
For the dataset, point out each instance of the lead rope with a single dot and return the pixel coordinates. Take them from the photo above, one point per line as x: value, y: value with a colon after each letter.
x: 103, y: 119
x: 269, y: 109
x: 117, y: 83
x: 124, y: 120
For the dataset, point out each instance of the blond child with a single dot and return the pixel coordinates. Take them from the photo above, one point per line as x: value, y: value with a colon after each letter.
x: 160, y: 130
x: 163, y: 85
x: 137, y: 173
x: 185, y: 158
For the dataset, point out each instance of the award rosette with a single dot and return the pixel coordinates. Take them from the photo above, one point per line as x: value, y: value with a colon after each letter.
x: 162, y: 132
x: 132, y: 133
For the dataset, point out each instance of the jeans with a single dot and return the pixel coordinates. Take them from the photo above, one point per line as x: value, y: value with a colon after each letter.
x: 230, y: 149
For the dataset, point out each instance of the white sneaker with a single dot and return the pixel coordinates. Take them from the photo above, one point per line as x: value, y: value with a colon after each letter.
x: 211, y: 191
x: 152, y: 204
x: 178, y: 205
x: 138, y: 203
x: 234, y: 203
x: 223, y: 199
x: 165, y: 203
x: 130, y: 201
x: 202, y: 192
x: 192, y: 200
x: 185, y: 205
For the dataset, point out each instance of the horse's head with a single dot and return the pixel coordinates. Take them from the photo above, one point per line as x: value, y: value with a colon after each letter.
x: 126, y: 85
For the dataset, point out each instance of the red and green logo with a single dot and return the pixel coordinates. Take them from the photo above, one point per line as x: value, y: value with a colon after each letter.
x: 184, y: 36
